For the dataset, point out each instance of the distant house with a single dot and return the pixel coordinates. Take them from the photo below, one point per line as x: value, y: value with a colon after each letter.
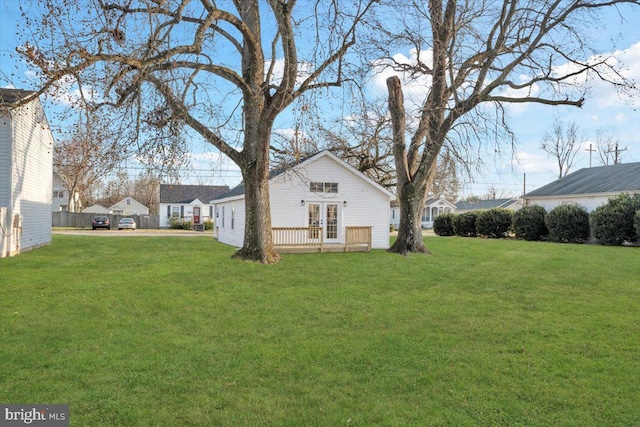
x: 184, y: 201
x: 26, y: 170
x: 61, y: 200
x: 129, y: 206
x: 479, y: 205
x: 322, y: 199
x: 433, y: 207
x: 97, y: 209
x: 588, y: 187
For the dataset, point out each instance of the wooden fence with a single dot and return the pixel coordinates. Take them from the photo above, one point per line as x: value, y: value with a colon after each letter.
x: 83, y: 220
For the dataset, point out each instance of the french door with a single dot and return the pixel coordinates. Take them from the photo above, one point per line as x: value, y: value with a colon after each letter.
x: 325, y: 215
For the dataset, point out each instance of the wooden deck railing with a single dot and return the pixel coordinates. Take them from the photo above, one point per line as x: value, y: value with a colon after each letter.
x: 298, y: 236
x: 357, y: 236
x: 312, y: 237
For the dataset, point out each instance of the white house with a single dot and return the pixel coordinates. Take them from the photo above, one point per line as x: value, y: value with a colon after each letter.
x: 129, y: 206
x: 26, y: 170
x: 588, y: 187
x: 188, y: 202
x: 321, y: 191
x: 433, y: 207
x: 61, y: 200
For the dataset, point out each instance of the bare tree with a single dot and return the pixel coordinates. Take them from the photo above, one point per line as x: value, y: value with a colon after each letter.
x: 363, y: 140
x: 86, y: 157
x: 226, y: 70
x: 472, y: 53
x: 608, y: 146
x: 563, y: 142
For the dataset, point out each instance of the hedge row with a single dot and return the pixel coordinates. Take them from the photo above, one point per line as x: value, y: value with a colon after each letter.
x: 614, y: 223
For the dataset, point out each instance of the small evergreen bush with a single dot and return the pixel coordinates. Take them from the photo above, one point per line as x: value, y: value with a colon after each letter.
x: 636, y: 222
x: 443, y: 224
x: 464, y: 224
x: 612, y: 223
x: 187, y: 225
x: 528, y: 223
x: 208, y: 224
x: 567, y: 224
x: 494, y: 223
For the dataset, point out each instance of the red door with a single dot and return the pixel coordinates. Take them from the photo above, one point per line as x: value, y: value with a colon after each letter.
x: 196, y: 215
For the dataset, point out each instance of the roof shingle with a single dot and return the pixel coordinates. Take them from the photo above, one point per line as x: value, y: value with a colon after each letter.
x: 170, y: 193
x: 603, y: 179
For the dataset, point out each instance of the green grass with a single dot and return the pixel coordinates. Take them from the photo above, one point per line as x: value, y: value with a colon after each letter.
x: 172, y: 332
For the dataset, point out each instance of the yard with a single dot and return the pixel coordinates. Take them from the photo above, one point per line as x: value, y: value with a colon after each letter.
x: 171, y: 331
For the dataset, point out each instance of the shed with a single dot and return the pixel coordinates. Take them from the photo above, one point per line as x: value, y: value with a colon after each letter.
x: 320, y: 204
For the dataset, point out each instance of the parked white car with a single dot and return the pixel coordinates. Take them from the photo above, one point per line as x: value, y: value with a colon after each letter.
x: 127, y: 223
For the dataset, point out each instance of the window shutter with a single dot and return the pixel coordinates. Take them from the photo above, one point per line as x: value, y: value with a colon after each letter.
x: 181, y: 211
x: 168, y: 211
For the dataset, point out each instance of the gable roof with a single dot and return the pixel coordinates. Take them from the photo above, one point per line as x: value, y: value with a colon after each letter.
x: 484, y: 204
x: 239, y: 189
x: 12, y: 96
x: 185, y: 194
x: 602, y: 179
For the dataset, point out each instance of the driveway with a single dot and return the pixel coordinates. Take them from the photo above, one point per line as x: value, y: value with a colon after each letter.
x: 125, y: 233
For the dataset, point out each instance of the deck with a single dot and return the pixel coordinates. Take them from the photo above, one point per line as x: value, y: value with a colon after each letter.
x: 288, y: 240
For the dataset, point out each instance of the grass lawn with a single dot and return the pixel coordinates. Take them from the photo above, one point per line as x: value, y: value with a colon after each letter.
x: 172, y: 332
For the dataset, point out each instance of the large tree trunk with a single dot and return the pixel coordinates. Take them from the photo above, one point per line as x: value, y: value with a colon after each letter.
x: 411, y: 192
x: 258, y: 239
x: 412, y: 199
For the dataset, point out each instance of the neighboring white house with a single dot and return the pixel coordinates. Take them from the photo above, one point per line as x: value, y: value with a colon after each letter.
x: 479, y: 205
x: 321, y: 191
x: 129, y: 206
x: 588, y: 187
x: 97, y: 209
x: 61, y: 200
x: 26, y: 168
x: 433, y: 207
x: 185, y: 201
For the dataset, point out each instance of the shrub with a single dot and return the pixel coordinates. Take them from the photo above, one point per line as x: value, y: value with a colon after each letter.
x: 528, y: 223
x: 208, y: 224
x: 187, y: 225
x: 567, y: 224
x: 175, y: 223
x: 637, y: 223
x: 464, y: 224
x: 494, y: 223
x: 443, y: 224
x: 612, y: 223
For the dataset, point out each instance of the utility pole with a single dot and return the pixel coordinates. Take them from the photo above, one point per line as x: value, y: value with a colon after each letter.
x: 590, y: 150
x: 617, y: 152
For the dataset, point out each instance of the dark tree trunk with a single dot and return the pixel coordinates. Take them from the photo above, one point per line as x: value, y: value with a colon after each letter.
x: 258, y: 239
x: 409, y: 239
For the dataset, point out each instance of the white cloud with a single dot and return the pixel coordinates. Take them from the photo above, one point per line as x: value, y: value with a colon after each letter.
x: 533, y: 163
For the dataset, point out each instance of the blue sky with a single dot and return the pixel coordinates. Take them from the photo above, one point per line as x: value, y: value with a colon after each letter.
x: 603, y: 109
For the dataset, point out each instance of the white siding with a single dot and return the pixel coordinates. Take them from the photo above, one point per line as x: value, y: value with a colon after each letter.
x: 587, y: 201
x: 366, y: 204
x: 227, y: 234
x: 188, y: 211
x: 5, y: 158
x: 31, y: 174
